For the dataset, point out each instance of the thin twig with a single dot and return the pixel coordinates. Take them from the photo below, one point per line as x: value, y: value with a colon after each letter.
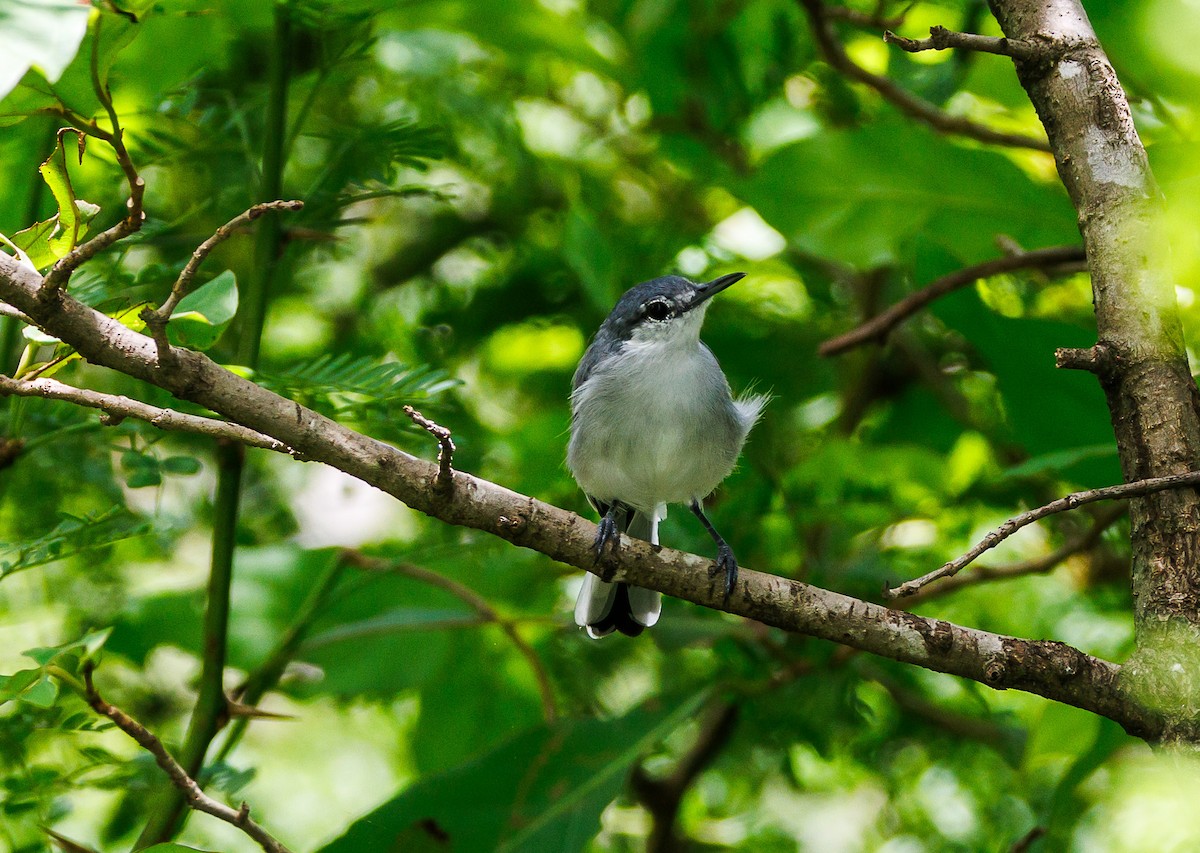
x: 879, y: 326
x: 116, y: 408
x: 196, y: 798
x: 1138, y: 488
x: 476, y: 602
x: 908, y: 103
x: 1038, y: 565
x: 941, y: 38
x: 157, y: 319
x: 445, y: 475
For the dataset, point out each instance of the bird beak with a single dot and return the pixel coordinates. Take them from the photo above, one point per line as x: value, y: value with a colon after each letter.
x: 705, y: 292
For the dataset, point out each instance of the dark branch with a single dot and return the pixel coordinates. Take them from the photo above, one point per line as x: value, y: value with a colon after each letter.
x: 1123, y: 491
x: 908, y: 103
x: 941, y: 38
x: 879, y: 326
x: 195, y: 796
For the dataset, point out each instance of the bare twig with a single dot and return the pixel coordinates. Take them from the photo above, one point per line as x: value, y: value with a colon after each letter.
x: 476, y: 602
x: 908, y: 103
x: 157, y: 319
x: 1138, y: 488
x: 1038, y: 565
x: 445, y: 475
x: 196, y: 798
x: 878, y: 327
x: 116, y: 408
x: 941, y: 38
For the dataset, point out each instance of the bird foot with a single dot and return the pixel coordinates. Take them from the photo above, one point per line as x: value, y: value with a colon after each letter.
x: 607, y: 544
x: 726, y: 564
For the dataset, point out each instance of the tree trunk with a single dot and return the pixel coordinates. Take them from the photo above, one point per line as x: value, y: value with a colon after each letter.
x: 1139, y: 358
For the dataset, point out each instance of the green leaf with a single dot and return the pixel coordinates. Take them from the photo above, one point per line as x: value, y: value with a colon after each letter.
x: 12, y: 686
x: 863, y: 196
x: 41, y: 694
x: 181, y: 465
x: 40, y: 34
x: 35, y: 240
x: 73, y: 87
x: 204, y: 314
x: 72, y: 535
x: 54, y: 172
x: 543, y: 790
x: 88, y: 645
x: 1060, y: 461
x: 172, y: 847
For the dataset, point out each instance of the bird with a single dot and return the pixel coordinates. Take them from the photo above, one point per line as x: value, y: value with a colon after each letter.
x: 653, y: 422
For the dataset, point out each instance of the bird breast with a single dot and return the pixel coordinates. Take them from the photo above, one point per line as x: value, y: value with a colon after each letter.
x: 654, y: 423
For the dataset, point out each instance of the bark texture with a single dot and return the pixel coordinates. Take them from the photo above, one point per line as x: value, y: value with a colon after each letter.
x: 1140, y: 358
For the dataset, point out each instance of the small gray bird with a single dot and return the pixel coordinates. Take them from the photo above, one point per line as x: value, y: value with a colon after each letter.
x: 652, y: 423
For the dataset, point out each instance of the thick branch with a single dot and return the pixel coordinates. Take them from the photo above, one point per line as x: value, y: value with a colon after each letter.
x: 941, y: 38
x: 116, y: 407
x: 1049, y: 669
x: 908, y: 103
x: 1075, y: 499
x: 1151, y: 395
x: 195, y: 796
x: 879, y: 326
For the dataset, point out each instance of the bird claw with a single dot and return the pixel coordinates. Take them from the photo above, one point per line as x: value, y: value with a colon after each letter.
x: 608, y: 543
x: 727, y: 564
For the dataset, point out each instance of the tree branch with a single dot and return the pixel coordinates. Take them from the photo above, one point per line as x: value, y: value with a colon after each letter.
x: 196, y: 798
x: 1054, y: 670
x: 116, y: 408
x: 1038, y: 565
x: 941, y: 38
x: 445, y: 474
x: 879, y: 326
x: 1075, y: 499
x: 157, y: 319
x: 908, y: 103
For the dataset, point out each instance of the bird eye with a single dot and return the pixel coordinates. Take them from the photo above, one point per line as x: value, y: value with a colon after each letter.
x: 658, y: 310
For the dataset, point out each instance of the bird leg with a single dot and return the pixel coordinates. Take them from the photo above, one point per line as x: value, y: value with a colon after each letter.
x: 608, y: 538
x: 726, y: 562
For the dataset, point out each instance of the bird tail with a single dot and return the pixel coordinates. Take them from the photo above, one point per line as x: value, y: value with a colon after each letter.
x: 606, y: 607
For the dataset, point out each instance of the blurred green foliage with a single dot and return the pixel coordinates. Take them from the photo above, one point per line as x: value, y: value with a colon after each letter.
x: 482, y: 181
